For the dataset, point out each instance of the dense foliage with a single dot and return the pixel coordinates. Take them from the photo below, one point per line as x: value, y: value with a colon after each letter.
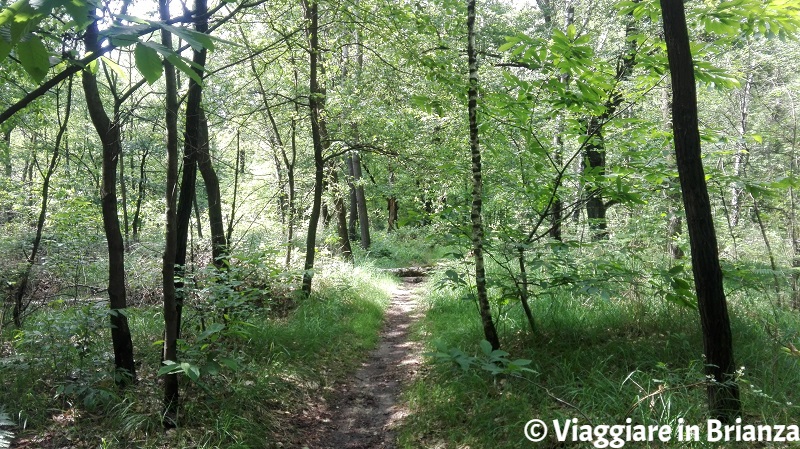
x: 336, y: 135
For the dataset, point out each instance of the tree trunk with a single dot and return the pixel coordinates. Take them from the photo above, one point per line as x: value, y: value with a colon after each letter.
x: 24, y: 278
x: 137, y: 221
x: 290, y: 184
x: 723, y: 392
x: 353, y: 220
x: 524, y: 289
x: 391, y: 205
x: 794, y: 233
x: 109, y: 132
x: 171, y: 323
x: 123, y: 191
x: 219, y: 244
x: 186, y: 195
x: 5, y: 150
x: 741, y: 156
x: 316, y: 103
x: 557, y: 215
x: 5, y: 155
x: 341, y: 221
x: 595, y: 156
x: 595, y: 150
x: 237, y: 169
x: 489, y: 330
x: 361, y: 202
x: 674, y: 220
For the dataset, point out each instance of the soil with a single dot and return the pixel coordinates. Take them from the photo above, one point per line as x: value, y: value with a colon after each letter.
x: 365, y: 411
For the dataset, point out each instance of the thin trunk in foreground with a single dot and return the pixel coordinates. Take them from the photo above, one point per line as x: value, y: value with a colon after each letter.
x: 24, y: 278
x: 477, y: 185
x: 723, y: 392
x: 315, y: 104
x: 171, y: 323
x: 109, y: 132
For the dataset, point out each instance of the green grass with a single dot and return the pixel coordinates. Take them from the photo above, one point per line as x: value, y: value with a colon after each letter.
x: 285, y: 362
x: 404, y: 247
x: 600, y: 356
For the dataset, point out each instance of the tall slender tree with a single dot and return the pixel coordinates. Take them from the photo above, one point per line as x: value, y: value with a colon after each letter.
x: 723, y: 392
x: 489, y: 330
x: 316, y: 103
x: 171, y: 323
x: 108, y: 130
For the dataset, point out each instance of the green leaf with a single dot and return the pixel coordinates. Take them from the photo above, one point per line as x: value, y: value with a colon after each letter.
x: 178, y: 61
x: 195, y: 39
x: 114, y: 66
x: 34, y: 57
x: 79, y: 11
x: 181, y: 65
x: 232, y: 364
x: 5, y: 48
x: 148, y: 62
x: 572, y: 32
x: 170, y: 367
x: 676, y: 269
x: 210, y: 330
x: 511, y: 41
x: 192, y: 371
x: 486, y: 347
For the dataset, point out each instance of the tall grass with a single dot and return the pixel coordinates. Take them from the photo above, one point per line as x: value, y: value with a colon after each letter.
x: 284, y: 361
x: 630, y: 355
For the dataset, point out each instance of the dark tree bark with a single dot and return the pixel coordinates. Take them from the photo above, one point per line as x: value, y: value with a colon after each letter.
x: 219, y: 244
x: 237, y: 169
x: 196, y: 155
x: 361, y: 202
x: 290, y: 161
x: 352, y: 223
x: 674, y: 220
x: 595, y: 157
x: 557, y: 215
x: 171, y: 323
x: 391, y: 205
x: 137, y: 221
x: 723, y: 392
x: 316, y: 103
x: 109, y: 132
x: 123, y: 191
x: 489, y: 330
x: 341, y: 221
x: 595, y: 150
x: 186, y: 202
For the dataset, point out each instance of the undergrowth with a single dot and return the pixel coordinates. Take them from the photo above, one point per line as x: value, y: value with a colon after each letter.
x: 603, y: 351
x: 255, y: 367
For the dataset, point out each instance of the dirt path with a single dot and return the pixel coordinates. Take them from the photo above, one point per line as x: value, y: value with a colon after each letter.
x: 365, y: 411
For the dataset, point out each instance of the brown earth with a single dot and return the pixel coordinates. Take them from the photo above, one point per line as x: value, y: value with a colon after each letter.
x: 364, y: 412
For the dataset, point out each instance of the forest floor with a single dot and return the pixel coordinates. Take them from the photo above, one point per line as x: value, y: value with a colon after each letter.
x: 364, y: 411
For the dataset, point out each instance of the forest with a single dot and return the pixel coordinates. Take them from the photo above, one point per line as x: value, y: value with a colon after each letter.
x: 399, y: 224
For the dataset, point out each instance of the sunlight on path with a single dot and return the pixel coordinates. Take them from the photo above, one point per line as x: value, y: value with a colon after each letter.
x: 365, y: 411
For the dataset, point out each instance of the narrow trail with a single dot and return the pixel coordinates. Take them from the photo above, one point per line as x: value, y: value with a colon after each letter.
x: 365, y: 412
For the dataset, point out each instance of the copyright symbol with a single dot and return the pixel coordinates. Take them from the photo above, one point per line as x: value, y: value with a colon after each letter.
x: 535, y: 430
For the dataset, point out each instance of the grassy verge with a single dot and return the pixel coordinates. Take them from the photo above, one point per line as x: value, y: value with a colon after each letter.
x: 404, y: 247
x: 598, y: 360
x: 256, y: 373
